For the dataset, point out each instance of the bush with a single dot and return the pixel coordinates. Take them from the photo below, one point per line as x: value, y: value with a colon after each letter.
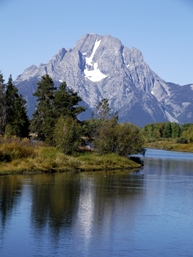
x: 182, y: 140
x: 67, y: 135
x: 13, y: 151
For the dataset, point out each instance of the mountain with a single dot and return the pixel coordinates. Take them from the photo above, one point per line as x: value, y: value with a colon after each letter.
x: 102, y: 67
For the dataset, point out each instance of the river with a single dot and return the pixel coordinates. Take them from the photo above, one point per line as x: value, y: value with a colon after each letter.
x: 101, y: 214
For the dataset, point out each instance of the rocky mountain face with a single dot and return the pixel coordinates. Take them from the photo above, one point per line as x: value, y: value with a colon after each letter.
x: 102, y: 67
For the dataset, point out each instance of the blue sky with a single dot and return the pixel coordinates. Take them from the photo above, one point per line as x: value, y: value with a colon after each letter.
x: 33, y: 31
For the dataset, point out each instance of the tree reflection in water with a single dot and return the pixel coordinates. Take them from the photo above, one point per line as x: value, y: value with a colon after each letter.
x: 66, y: 206
x: 10, y: 192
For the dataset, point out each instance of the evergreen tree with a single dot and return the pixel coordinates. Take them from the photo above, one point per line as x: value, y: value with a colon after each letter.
x: 16, y: 120
x: 103, y: 109
x: 167, y: 131
x: 66, y: 102
x: 43, y: 120
x: 175, y: 130
x: 2, y: 104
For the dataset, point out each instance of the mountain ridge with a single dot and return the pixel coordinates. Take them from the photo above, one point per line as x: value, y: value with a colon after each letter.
x: 102, y: 67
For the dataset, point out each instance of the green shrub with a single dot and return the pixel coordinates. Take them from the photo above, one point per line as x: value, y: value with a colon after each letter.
x: 13, y: 151
x: 182, y: 140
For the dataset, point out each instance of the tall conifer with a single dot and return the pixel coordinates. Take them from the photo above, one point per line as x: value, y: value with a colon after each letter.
x: 43, y: 119
x: 2, y: 104
x: 17, y: 123
x: 66, y: 102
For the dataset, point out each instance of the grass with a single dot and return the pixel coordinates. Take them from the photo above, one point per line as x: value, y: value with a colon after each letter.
x: 94, y: 161
x: 170, y: 144
x: 21, y: 156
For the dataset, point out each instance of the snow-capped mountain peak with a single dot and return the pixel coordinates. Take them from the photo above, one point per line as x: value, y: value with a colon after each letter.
x: 102, y: 67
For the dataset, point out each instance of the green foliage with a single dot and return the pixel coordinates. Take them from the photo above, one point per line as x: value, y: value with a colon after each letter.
x: 111, y: 161
x: 15, y: 150
x: 66, y: 102
x: 123, y: 139
x: 167, y: 130
x: 67, y: 134
x: 185, y: 127
x: 90, y: 128
x: 129, y: 139
x: 105, y: 136
x: 104, y: 111
x: 188, y: 133
x: 51, y: 104
x: 43, y: 119
x: 162, y: 130
x: 182, y: 140
x: 176, y: 130
x: 16, y: 120
x: 2, y: 104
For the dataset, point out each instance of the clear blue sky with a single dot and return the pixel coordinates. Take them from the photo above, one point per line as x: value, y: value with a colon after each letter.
x: 31, y: 32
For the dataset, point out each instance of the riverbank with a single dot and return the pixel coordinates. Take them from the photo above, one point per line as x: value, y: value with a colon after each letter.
x: 170, y: 145
x: 18, y: 157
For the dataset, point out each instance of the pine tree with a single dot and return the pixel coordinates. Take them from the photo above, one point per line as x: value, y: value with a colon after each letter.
x: 2, y: 104
x: 43, y: 120
x: 104, y: 112
x: 167, y: 131
x: 103, y: 109
x: 16, y: 120
x: 66, y: 102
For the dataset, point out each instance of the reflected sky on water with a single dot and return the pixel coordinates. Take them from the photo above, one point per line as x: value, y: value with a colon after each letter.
x: 120, y: 213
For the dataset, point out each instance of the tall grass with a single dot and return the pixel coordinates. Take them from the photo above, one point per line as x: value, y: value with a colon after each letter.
x: 170, y: 144
x: 22, y: 155
x: 108, y: 161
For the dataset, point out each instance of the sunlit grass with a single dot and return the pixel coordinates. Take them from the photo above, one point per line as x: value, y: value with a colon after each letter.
x: 17, y: 156
x: 108, y: 161
x: 170, y: 144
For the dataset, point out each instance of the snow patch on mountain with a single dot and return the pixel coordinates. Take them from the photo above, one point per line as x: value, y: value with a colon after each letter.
x: 89, y: 60
x: 94, y: 75
x: 170, y: 118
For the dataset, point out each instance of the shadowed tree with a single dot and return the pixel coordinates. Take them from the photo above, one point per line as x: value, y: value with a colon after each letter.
x: 66, y: 102
x: 43, y: 119
x: 2, y: 104
x: 16, y: 120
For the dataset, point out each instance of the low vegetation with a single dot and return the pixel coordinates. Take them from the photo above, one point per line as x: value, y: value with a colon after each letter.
x: 169, y: 136
x: 170, y: 145
x: 67, y: 144
x: 21, y: 156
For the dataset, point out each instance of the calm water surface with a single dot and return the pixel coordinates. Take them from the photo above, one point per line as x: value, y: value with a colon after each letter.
x: 138, y: 214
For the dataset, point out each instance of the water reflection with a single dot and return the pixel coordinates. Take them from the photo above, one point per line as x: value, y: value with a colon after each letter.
x: 62, y: 200
x: 100, y: 214
x: 168, y: 162
x: 54, y: 202
x: 80, y: 203
x: 10, y: 192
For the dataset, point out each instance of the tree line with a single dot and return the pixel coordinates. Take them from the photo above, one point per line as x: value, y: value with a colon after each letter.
x: 182, y: 133
x: 55, y: 120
